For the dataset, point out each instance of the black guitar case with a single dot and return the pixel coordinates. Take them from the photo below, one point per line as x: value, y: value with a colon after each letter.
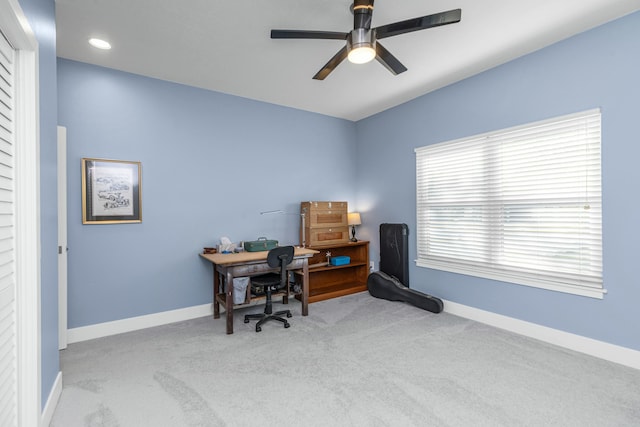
x: 383, y: 286
x: 394, y: 251
x: 392, y: 281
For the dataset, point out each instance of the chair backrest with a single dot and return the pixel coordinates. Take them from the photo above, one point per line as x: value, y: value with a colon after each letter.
x: 280, y: 256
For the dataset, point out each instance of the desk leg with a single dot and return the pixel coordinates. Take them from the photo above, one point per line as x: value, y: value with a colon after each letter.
x: 305, y: 287
x: 229, y: 302
x: 216, y: 291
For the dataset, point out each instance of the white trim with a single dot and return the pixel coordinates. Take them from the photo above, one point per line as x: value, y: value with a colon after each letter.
x: 613, y: 353
x: 16, y: 27
x: 62, y: 238
x: 513, y: 278
x: 27, y: 176
x: 100, y: 330
x: 52, y: 402
x: 28, y: 239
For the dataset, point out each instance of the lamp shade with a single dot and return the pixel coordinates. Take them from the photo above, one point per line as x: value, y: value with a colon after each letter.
x: 353, y: 218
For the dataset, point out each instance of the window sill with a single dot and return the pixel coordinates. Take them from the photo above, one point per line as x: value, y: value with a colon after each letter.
x: 517, y: 279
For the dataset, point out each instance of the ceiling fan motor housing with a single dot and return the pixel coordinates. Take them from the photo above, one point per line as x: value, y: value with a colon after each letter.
x: 361, y: 38
x: 361, y: 45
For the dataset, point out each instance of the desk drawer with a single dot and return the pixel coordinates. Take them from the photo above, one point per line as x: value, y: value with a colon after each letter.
x: 262, y: 267
x: 251, y: 269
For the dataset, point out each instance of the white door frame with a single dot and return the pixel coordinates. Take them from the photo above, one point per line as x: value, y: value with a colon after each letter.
x: 16, y: 28
x: 62, y: 237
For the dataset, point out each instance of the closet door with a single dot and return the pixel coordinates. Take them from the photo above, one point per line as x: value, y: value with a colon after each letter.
x: 8, y: 335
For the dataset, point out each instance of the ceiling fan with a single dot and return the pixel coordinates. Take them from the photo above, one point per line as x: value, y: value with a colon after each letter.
x: 362, y: 42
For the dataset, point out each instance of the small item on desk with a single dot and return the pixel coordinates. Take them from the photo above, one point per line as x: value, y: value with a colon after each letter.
x: 226, y: 246
x: 261, y: 244
x: 210, y: 251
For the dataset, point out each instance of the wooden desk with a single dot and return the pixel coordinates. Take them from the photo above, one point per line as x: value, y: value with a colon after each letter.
x: 228, y: 266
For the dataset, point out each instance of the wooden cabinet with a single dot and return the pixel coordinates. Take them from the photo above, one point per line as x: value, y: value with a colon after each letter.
x: 327, y: 281
x: 325, y: 223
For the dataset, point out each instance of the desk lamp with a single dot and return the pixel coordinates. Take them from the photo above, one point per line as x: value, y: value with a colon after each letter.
x: 303, y: 242
x: 353, y: 219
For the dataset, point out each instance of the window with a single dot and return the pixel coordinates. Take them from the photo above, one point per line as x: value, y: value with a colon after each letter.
x: 521, y: 205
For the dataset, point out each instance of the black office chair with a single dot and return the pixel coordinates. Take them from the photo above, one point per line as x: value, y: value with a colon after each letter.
x: 266, y: 283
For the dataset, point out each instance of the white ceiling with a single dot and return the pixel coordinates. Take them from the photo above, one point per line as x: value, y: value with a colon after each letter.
x: 224, y: 45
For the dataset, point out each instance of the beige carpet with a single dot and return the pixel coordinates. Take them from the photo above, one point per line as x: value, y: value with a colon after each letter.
x: 354, y: 361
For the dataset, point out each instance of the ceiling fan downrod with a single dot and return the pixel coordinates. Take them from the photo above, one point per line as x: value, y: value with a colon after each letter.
x: 362, y: 11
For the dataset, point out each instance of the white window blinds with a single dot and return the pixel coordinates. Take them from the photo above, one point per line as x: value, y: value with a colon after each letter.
x: 521, y: 205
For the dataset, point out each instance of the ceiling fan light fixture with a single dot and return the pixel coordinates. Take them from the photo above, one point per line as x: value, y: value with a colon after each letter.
x: 360, y: 44
x: 361, y: 55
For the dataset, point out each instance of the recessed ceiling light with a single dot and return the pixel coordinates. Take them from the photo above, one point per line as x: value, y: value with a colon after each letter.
x: 100, y: 44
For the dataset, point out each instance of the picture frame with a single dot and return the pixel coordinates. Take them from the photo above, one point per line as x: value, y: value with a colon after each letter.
x: 111, y: 191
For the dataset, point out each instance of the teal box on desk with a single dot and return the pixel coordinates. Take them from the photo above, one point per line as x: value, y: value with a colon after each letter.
x: 340, y: 260
x: 262, y: 244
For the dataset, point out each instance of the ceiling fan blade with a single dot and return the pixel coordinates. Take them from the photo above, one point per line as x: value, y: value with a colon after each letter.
x: 390, y: 62
x: 332, y: 64
x: 303, y: 34
x: 422, y: 23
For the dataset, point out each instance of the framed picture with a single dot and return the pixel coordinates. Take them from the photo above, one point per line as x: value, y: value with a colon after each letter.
x: 111, y: 191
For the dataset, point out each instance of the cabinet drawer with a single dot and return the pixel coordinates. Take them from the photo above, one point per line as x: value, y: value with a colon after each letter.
x: 327, y: 236
x: 328, y: 218
x: 324, y: 214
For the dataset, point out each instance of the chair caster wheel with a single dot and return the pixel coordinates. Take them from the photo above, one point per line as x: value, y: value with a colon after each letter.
x: 246, y: 320
x: 289, y: 315
x: 258, y: 328
x: 286, y: 325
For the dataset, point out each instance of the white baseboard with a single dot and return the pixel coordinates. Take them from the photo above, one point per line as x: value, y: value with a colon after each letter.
x: 100, y: 330
x: 613, y: 353
x: 52, y: 402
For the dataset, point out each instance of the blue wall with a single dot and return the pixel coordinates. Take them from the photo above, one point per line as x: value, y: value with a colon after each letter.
x: 598, y: 68
x: 204, y: 157
x: 210, y: 164
x: 41, y: 17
